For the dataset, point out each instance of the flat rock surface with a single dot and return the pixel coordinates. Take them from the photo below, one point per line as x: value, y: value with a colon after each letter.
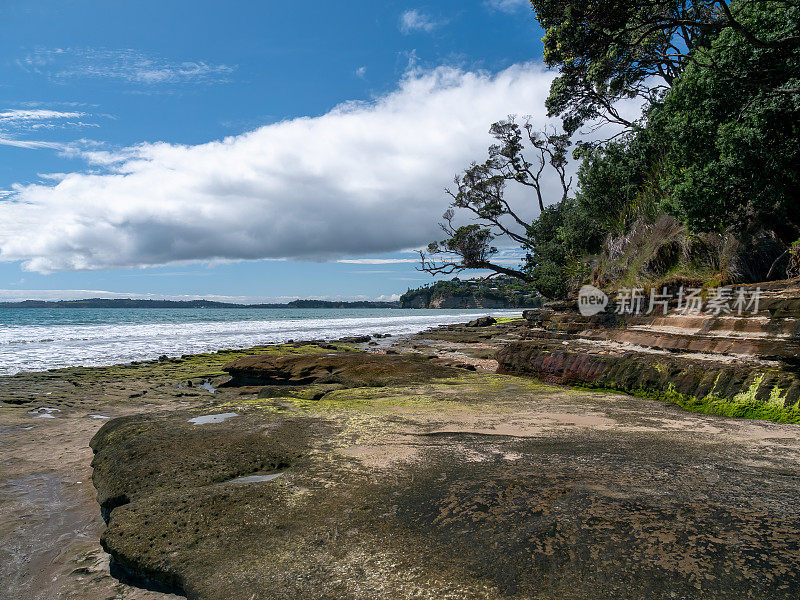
x: 455, y: 484
x: 469, y: 486
x: 350, y: 369
x: 50, y: 522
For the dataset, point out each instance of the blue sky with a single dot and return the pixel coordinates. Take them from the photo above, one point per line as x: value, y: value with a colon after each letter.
x: 246, y: 150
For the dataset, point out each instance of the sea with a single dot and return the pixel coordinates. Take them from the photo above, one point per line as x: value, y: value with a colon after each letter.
x: 38, y: 339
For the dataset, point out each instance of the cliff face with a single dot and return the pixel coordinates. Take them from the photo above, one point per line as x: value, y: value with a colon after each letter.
x: 498, y: 292
x: 736, y: 365
x: 415, y: 302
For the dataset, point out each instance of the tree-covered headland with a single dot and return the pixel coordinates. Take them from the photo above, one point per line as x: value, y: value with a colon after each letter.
x: 703, y: 185
x: 504, y: 290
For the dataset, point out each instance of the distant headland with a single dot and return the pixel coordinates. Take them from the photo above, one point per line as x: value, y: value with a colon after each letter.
x: 500, y: 292
x: 132, y: 303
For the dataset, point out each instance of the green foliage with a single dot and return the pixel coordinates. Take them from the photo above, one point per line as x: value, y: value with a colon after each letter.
x: 471, y: 242
x: 729, y: 140
x: 521, y: 156
x: 613, y: 49
x: 720, y: 150
x: 620, y: 183
x: 513, y: 291
x: 717, y: 148
x: 563, y: 233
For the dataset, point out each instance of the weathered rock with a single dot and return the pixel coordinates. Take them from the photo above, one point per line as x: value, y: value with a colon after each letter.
x: 537, y: 316
x: 449, y: 362
x: 685, y: 358
x: 189, y: 455
x: 355, y: 339
x: 625, y: 505
x: 724, y: 387
x: 352, y: 369
x: 482, y: 322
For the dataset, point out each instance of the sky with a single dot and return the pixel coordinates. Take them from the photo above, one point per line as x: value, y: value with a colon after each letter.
x: 246, y: 150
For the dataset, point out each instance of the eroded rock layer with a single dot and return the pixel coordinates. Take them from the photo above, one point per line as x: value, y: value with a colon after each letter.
x: 738, y: 365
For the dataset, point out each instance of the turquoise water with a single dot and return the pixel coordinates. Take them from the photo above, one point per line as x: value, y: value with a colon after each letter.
x: 36, y: 339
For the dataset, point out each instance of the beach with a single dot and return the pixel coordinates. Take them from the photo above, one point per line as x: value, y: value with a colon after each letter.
x: 34, y: 339
x: 415, y: 486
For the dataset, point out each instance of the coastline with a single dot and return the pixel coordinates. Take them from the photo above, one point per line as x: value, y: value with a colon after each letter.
x: 43, y: 339
x: 50, y: 522
x: 477, y: 429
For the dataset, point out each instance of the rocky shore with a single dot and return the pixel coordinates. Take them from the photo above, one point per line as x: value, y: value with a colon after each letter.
x: 728, y: 364
x: 405, y: 469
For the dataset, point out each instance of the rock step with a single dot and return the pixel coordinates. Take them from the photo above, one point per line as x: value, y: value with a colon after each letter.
x: 663, y: 376
x: 764, y: 347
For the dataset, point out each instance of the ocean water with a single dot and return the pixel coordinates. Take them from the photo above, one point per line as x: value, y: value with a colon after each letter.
x: 37, y: 339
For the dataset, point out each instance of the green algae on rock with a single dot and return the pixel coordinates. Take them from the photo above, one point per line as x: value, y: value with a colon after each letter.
x: 348, y: 369
x: 466, y: 486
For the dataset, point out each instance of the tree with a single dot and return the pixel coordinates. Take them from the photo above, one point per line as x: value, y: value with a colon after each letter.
x: 522, y: 155
x: 609, y: 50
x: 730, y: 153
x: 716, y: 145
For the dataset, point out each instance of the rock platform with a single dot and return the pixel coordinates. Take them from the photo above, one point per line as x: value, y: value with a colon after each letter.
x: 743, y: 366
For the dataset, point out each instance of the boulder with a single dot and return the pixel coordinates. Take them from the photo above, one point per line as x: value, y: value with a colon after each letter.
x: 355, y: 339
x: 482, y: 322
x: 352, y: 369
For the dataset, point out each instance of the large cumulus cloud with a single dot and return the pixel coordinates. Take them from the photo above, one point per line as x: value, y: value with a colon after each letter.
x: 364, y: 178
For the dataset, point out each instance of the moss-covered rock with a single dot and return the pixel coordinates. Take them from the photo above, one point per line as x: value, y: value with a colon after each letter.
x: 706, y: 386
x: 167, y: 451
x: 473, y: 491
x: 348, y: 369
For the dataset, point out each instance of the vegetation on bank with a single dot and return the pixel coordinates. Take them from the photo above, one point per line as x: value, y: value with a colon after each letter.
x: 511, y: 292
x: 702, y: 186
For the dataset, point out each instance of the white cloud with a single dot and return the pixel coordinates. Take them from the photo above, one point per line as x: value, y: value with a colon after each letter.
x: 30, y: 144
x: 127, y: 64
x: 14, y: 122
x: 508, y: 6
x: 25, y: 115
x: 414, y: 20
x: 361, y: 72
x: 363, y: 179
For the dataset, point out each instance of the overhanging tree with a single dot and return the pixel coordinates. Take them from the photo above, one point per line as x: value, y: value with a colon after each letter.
x: 522, y: 156
x: 610, y: 50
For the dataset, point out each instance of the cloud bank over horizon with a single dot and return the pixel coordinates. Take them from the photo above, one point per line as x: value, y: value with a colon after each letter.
x: 365, y: 178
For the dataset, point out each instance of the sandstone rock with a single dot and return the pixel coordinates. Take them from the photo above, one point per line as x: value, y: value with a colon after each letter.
x: 635, y: 502
x: 353, y: 369
x: 482, y: 322
x: 355, y: 339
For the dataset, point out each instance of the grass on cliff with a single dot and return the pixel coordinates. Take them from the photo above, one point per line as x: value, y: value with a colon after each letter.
x: 503, y: 320
x: 744, y: 405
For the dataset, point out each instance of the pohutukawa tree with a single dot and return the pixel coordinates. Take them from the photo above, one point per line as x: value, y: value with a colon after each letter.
x: 610, y: 50
x: 522, y: 156
x: 715, y: 145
